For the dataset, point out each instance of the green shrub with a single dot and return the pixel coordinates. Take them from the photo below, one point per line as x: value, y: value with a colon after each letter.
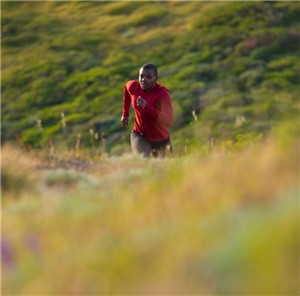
x: 149, y: 15
x: 208, y: 55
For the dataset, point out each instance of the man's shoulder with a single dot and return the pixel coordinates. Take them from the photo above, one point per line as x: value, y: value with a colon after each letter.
x: 162, y: 89
x: 132, y: 84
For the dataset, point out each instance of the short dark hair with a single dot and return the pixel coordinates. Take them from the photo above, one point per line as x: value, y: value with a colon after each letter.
x: 152, y: 67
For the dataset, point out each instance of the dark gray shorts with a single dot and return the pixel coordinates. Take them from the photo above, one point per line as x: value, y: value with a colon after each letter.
x: 142, y: 146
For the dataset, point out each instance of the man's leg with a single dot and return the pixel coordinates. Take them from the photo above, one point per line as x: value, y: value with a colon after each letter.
x: 162, y: 149
x: 139, y: 144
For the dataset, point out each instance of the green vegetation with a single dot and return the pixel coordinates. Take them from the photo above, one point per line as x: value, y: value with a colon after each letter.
x: 83, y: 216
x: 224, y: 224
x: 236, y: 65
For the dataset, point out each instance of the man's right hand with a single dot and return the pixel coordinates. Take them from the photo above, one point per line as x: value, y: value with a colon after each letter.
x: 124, y: 121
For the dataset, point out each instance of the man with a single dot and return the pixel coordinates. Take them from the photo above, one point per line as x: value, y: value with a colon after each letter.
x: 152, y: 105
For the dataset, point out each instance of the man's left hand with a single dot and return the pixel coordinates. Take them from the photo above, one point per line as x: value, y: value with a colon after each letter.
x: 141, y: 102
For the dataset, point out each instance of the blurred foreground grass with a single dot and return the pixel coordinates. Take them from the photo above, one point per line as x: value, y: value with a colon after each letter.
x: 219, y: 224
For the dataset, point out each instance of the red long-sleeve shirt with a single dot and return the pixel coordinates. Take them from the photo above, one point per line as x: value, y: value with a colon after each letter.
x: 153, y: 121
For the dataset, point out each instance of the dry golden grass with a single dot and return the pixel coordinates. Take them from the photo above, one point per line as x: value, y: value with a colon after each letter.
x: 18, y: 173
x: 226, y: 223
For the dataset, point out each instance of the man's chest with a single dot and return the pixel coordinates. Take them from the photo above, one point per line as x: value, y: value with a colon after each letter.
x: 150, y: 98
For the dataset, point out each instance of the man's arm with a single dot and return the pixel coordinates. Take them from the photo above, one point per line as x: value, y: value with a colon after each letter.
x: 125, y: 107
x: 165, y: 114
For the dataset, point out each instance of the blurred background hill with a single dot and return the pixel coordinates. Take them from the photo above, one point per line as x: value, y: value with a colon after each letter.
x: 219, y: 217
x: 232, y: 68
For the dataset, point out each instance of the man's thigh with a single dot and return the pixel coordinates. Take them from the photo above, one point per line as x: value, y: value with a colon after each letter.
x: 140, y: 145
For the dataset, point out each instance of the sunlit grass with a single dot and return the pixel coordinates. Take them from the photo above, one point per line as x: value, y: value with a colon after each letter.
x: 221, y: 60
x: 214, y: 224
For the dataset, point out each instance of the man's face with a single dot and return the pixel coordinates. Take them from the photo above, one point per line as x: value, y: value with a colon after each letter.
x: 147, y: 79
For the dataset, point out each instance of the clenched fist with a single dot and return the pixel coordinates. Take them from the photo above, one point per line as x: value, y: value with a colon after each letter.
x: 124, y: 121
x: 141, y: 102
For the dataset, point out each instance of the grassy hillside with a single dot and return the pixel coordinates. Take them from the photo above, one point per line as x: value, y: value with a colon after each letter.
x: 218, y: 217
x: 232, y: 68
x: 225, y: 224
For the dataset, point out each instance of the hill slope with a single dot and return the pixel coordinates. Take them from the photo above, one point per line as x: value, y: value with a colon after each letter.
x: 232, y: 68
x: 226, y: 224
